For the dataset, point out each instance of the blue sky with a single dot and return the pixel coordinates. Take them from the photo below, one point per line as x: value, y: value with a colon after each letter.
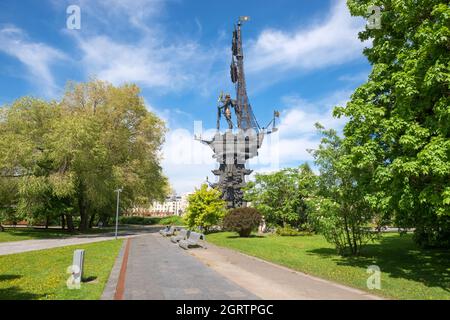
x: 302, y: 57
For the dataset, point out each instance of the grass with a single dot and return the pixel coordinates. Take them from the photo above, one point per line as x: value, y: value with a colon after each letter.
x: 22, y: 233
x: 42, y: 274
x: 407, y: 272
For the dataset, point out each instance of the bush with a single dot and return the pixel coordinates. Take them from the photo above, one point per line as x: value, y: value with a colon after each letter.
x: 242, y: 221
x: 148, y: 221
x: 173, y: 220
x: 144, y: 221
x: 206, y: 208
x: 287, y: 231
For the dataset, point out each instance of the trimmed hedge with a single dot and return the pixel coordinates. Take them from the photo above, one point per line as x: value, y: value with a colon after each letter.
x: 242, y: 221
x: 145, y: 221
x: 148, y: 221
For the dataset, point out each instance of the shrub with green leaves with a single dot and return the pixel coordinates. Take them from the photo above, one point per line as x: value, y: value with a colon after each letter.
x: 173, y: 220
x: 145, y: 221
x: 287, y: 231
x: 205, y: 209
x: 242, y: 221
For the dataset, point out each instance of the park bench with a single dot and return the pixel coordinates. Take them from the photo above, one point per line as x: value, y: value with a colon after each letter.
x: 169, y: 232
x: 182, y: 235
x: 162, y: 231
x: 194, y: 240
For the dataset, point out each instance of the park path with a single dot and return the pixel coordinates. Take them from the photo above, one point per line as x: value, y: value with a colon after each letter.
x: 41, y: 244
x: 273, y: 282
x: 152, y: 268
x: 157, y: 269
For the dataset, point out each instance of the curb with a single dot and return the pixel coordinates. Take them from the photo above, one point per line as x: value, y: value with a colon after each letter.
x: 110, y: 288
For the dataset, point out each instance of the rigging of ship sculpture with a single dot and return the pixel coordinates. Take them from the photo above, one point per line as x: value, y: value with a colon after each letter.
x: 243, y: 137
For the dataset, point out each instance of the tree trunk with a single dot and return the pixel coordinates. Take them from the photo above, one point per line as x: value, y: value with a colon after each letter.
x: 2, y: 228
x: 91, y: 221
x: 63, y: 222
x: 70, y: 226
x: 84, y: 217
x: 46, y: 222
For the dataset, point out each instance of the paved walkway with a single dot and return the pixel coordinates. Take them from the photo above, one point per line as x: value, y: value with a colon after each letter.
x: 159, y: 269
x: 273, y: 282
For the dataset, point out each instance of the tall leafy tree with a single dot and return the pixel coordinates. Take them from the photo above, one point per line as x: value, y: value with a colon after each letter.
x: 398, y: 134
x: 281, y: 196
x: 338, y: 208
x: 69, y: 156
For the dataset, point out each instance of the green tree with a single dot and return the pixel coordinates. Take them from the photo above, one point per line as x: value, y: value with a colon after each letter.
x: 205, y: 208
x: 281, y: 196
x: 337, y: 208
x: 70, y: 156
x: 398, y: 133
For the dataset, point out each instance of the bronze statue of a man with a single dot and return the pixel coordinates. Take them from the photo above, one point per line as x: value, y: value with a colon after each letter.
x: 225, y: 109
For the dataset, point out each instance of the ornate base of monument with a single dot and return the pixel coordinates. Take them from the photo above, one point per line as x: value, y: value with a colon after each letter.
x: 231, y: 182
x: 232, y: 150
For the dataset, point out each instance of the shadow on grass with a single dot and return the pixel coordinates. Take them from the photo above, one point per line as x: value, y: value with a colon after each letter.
x: 89, y: 279
x: 400, y: 258
x: 253, y: 236
x: 37, y: 233
x: 14, y: 292
x: 8, y: 277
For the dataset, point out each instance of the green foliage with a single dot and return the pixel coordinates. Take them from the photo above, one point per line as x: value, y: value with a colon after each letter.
x: 172, y: 221
x: 287, y: 231
x: 205, y: 209
x: 147, y: 221
x: 242, y: 221
x: 144, y: 221
x: 338, y: 209
x: 281, y: 196
x: 398, y: 135
x: 67, y: 157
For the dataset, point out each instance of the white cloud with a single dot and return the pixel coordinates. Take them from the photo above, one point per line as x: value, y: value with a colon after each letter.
x: 37, y: 57
x: 332, y: 42
x: 297, y: 133
x: 150, y: 56
x: 187, y: 162
x: 146, y: 63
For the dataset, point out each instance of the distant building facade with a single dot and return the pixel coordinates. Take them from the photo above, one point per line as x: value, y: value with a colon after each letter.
x: 173, y: 205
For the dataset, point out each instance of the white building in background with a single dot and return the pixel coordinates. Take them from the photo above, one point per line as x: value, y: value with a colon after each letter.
x: 173, y: 205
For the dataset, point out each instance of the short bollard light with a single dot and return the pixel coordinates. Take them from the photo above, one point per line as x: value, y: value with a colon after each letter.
x: 76, y: 270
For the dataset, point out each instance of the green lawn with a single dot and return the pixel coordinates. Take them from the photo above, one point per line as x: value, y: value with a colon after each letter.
x: 42, y: 274
x: 21, y: 233
x: 407, y: 271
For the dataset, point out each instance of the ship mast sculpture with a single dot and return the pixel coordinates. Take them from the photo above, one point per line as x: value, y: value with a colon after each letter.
x: 241, y: 141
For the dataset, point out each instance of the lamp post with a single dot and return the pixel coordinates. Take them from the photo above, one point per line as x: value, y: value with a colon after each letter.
x: 117, y: 210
